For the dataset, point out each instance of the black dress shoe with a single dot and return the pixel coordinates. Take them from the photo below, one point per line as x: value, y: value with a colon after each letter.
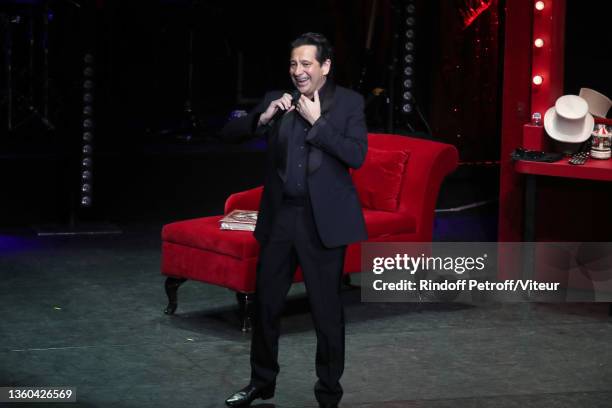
x: 245, y: 396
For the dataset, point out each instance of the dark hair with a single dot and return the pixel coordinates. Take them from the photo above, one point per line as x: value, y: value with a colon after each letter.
x: 324, y: 48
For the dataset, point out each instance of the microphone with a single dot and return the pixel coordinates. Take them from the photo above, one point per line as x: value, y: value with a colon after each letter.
x: 295, y: 95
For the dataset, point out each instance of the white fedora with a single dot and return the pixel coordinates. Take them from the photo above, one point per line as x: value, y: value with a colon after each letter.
x: 569, y: 120
x: 599, y: 104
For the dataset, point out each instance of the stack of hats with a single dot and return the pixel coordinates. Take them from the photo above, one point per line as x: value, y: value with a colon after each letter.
x: 599, y: 104
x: 571, y: 121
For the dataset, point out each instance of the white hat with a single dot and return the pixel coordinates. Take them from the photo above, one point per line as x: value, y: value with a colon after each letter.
x: 569, y: 120
x: 599, y: 104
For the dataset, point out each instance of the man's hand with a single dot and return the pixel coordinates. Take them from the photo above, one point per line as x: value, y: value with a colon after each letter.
x: 282, y: 103
x: 310, y: 110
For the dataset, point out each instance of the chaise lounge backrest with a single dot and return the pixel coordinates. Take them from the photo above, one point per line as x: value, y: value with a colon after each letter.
x: 427, y: 166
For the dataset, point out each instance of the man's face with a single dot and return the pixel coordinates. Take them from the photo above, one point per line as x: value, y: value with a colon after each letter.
x: 307, y: 74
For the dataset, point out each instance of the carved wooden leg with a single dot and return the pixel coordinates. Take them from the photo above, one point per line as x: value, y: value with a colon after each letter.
x: 172, y: 285
x: 245, y: 307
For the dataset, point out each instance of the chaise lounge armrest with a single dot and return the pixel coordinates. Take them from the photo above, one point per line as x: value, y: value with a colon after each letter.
x: 244, y: 200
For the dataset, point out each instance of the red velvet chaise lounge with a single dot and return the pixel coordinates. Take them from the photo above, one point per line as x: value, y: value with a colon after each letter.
x: 398, y: 186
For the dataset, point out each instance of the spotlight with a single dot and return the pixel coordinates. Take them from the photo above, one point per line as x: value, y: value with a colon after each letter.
x: 409, y: 46
x: 88, y: 72
x: 408, y: 83
x: 539, y: 43
x: 407, y: 108
x: 410, y: 21
x: 88, y: 124
x: 87, y: 162
x: 88, y: 58
x: 537, y: 80
x: 88, y: 97
x: 410, y: 8
x: 86, y: 175
x: 88, y: 84
x: 408, y: 71
x: 407, y: 95
x: 86, y: 188
x: 539, y: 5
x: 87, y: 137
x: 86, y: 201
x: 87, y: 149
x: 87, y: 110
x: 409, y: 33
x: 408, y: 58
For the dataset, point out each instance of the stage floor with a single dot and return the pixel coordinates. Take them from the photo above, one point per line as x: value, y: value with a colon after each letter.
x: 88, y: 313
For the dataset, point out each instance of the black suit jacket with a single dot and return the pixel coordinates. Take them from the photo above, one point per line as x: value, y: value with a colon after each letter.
x: 338, y: 141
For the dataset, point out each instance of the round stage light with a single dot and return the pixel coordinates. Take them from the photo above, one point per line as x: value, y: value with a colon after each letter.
x: 407, y: 95
x: 408, y: 71
x: 407, y: 108
x: 86, y: 201
x: 539, y: 43
x: 539, y: 5
x: 537, y: 80
x: 408, y: 83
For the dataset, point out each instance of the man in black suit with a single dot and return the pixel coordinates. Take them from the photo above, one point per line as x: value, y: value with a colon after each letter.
x: 308, y: 214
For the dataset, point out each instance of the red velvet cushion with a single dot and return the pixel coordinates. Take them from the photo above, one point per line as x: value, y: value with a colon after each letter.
x: 204, y: 233
x: 379, y: 179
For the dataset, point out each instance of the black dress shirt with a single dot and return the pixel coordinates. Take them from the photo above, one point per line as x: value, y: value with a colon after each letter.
x: 297, y: 158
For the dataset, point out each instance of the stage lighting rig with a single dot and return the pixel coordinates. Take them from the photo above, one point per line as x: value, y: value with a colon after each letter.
x: 88, y: 128
x: 408, y: 58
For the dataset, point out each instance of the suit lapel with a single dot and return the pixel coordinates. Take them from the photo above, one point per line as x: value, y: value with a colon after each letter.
x: 327, y: 101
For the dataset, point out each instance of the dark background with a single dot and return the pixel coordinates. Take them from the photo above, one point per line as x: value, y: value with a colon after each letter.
x: 587, y: 48
x: 150, y: 167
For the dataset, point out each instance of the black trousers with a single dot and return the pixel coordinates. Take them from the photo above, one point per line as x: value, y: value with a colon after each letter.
x: 295, y: 241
